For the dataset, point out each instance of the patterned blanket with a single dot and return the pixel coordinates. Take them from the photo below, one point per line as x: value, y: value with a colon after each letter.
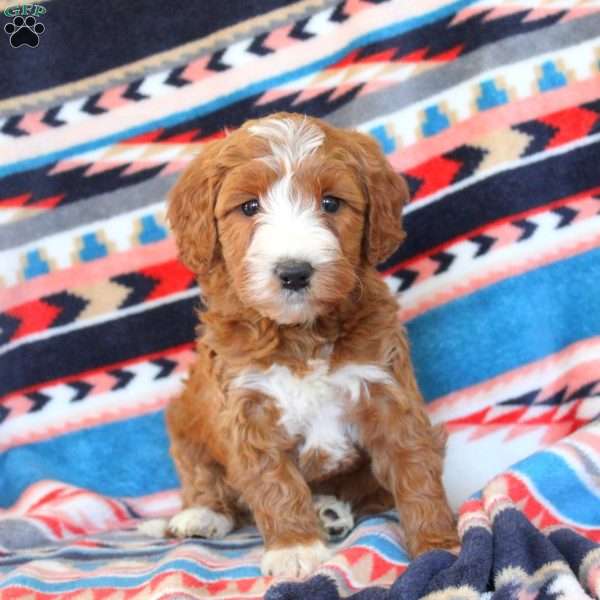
x: 490, y: 109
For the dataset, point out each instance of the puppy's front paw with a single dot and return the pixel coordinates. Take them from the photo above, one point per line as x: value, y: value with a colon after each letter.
x: 156, y: 528
x: 294, y: 561
x: 335, y: 516
x: 199, y: 522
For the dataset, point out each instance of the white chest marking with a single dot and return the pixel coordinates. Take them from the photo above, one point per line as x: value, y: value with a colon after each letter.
x: 315, y: 406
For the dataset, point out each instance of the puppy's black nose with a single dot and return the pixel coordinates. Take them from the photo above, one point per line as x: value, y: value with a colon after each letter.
x: 294, y: 275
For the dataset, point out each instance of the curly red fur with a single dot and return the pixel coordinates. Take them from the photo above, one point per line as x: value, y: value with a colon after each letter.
x: 232, y: 452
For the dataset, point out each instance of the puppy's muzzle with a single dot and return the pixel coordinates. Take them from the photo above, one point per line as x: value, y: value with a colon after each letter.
x: 294, y: 275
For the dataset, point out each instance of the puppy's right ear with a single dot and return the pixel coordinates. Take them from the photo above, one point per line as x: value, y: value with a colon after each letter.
x: 191, y: 210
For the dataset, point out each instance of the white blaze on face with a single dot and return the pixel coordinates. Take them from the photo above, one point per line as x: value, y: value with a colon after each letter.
x: 289, y: 226
x: 290, y: 141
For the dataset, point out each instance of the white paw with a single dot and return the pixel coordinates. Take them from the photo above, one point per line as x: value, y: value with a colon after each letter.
x: 200, y: 522
x: 336, y: 516
x: 156, y: 528
x: 294, y: 561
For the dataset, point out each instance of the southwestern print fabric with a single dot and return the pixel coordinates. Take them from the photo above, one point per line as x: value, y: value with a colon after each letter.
x: 490, y: 109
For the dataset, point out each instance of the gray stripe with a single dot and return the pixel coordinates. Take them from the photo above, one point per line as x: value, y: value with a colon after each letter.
x: 181, y: 60
x: 85, y: 211
x: 505, y: 52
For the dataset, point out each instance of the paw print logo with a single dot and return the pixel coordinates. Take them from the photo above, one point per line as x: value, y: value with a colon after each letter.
x: 24, y: 32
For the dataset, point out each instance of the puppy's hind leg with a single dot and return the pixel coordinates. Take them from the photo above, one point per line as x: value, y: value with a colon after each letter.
x: 335, y: 516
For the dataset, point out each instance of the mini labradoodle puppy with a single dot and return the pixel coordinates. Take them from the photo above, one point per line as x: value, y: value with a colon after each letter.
x: 302, y: 408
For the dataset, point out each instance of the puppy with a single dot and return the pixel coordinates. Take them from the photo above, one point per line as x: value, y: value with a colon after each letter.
x: 303, y: 387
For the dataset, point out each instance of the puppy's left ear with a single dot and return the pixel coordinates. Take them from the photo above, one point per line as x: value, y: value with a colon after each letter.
x: 387, y: 194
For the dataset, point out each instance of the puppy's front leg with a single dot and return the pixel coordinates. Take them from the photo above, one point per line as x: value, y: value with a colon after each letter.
x: 407, y: 459
x: 262, y: 469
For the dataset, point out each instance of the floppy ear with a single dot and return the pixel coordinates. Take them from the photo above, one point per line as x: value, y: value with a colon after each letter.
x: 191, y: 210
x: 387, y: 194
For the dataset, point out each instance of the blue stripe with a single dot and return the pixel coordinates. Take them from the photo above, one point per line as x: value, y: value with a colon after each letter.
x: 127, y: 581
x: 126, y: 458
x: 506, y: 325
x: 560, y: 486
x: 255, y: 88
x: 390, y: 550
x: 154, y: 550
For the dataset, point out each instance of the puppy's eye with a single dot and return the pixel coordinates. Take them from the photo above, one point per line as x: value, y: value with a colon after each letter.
x: 330, y: 204
x: 250, y: 207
